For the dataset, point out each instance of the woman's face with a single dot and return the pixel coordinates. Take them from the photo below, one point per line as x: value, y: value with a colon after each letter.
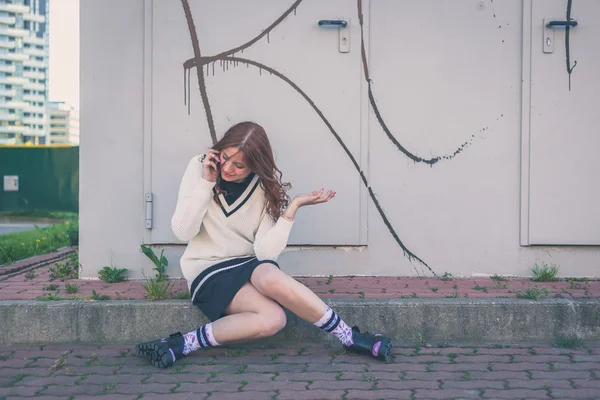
x: 233, y: 167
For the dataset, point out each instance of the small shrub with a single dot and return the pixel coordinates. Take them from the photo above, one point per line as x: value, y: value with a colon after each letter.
x: 481, y: 288
x: 112, y: 274
x: 71, y: 288
x: 52, y: 287
x: 30, y: 274
x: 544, y: 273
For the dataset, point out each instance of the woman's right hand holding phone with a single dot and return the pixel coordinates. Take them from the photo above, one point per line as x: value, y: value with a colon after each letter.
x: 210, y: 169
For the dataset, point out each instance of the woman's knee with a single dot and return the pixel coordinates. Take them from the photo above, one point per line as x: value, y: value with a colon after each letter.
x: 270, y: 281
x: 272, y: 321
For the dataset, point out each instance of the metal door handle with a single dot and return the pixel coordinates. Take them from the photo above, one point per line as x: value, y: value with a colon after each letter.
x: 561, y: 24
x: 338, y: 23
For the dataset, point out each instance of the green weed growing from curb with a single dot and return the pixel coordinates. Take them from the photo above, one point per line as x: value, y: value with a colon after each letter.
x: 569, y: 342
x: 533, y: 293
x: 544, y: 273
x: 112, y: 274
x: 71, y: 288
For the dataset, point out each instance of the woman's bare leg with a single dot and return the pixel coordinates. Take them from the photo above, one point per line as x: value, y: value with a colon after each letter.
x: 275, y: 284
x: 251, y: 316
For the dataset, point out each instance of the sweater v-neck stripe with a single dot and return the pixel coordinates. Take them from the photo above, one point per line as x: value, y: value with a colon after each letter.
x: 229, y: 209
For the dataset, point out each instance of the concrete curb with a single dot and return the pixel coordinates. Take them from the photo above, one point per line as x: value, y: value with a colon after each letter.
x: 437, y: 320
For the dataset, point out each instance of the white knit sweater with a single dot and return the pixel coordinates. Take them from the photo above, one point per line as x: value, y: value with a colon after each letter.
x: 212, y: 235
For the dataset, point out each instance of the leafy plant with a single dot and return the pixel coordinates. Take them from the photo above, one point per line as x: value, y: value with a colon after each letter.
x: 160, y: 263
x: 51, y: 287
x: 544, y: 272
x: 112, y: 274
x: 30, y: 274
x: 62, y: 271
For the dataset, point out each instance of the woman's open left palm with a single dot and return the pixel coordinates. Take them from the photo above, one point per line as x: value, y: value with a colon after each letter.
x: 314, y: 197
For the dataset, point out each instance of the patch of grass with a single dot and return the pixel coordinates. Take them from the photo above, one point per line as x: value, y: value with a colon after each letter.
x: 453, y: 295
x: 569, y: 342
x: 241, y: 369
x: 50, y: 297
x: 111, y: 386
x: 533, y: 293
x: 71, y: 288
x: 361, y: 295
x: 452, y: 357
x: 331, y: 290
x: 185, y: 295
x: 434, y: 289
x: 369, y: 378
x: 237, y: 353
x: 338, y: 377
x: 532, y: 351
x: 158, y: 290
x: 466, y: 376
x: 574, y: 284
x: 481, y: 288
x: 446, y: 277
x: 20, y: 245
x: 58, y: 364
x: 428, y: 369
x: 30, y: 274
x: 301, y: 351
x: 52, y: 287
x: 544, y: 273
x: 329, y: 279
x: 500, y: 284
x: 97, y: 297
x: 112, y: 274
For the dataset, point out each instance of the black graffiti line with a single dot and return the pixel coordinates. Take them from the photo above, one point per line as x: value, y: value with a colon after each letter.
x: 415, y: 158
x: 567, y: 44
x: 199, y: 72
x: 208, y: 59
x: 407, y: 253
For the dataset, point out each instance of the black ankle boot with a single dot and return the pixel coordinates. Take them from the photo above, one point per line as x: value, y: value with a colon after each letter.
x: 162, y: 353
x: 364, y: 342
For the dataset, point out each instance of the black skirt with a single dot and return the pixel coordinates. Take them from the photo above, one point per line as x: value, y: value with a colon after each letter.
x: 216, y: 286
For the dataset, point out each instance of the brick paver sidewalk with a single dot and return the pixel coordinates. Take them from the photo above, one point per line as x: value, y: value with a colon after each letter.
x: 28, y: 280
x: 303, y: 371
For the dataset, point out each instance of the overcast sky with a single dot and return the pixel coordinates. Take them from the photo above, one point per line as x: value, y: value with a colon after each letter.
x: 64, y: 51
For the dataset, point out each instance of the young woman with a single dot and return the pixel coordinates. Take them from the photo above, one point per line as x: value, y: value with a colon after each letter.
x: 234, y: 212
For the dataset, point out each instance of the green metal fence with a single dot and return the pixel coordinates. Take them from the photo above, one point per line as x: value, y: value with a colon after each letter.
x: 39, y: 178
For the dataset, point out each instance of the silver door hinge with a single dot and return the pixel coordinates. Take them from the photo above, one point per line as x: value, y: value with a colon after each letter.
x: 148, y: 197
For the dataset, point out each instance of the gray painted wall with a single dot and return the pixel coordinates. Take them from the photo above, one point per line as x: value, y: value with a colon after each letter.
x: 440, y: 85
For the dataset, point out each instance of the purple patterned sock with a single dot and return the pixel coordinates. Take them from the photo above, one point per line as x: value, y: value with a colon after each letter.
x: 199, y: 338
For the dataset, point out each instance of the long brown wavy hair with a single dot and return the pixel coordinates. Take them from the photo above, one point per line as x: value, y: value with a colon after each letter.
x: 251, y: 139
